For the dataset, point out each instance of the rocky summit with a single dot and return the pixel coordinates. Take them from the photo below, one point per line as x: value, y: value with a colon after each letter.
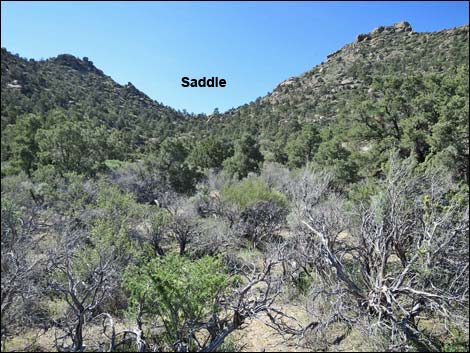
x: 319, y: 93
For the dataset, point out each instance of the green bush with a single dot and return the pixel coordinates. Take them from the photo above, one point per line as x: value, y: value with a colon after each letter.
x: 178, y: 293
x: 250, y: 191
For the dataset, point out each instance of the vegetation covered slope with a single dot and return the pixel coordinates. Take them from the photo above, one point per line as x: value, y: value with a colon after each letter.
x: 75, y: 87
x: 380, y: 83
x: 336, y: 207
x: 74, y: 84
x: 321, y: 93
x: 392, y: 84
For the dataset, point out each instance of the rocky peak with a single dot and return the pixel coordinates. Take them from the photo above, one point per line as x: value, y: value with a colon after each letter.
x: 82, y: 65
x: 399, y: 27
x: 348, y: 71
x: 402, y: 26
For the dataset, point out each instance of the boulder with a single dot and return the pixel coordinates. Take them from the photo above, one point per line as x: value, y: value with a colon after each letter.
x: 402, y: 26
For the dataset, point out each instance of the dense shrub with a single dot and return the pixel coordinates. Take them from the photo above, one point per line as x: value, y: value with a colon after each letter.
x: 250, y: 191
x: 178, y: 293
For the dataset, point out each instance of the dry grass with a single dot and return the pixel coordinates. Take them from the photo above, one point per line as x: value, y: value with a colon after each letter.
x: 256, y: 336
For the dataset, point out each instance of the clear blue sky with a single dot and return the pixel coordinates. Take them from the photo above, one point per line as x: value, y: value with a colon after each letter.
x: 253, y: 45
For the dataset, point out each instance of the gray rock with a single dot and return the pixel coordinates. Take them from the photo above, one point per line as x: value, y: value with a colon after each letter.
x: 14, y: 86
x: 402, y: 26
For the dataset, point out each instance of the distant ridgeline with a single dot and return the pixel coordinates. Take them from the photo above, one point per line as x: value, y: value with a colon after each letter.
x: 392, y: 88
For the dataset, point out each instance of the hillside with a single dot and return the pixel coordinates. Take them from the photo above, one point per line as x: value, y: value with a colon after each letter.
x: 315, y: 96
x: 364, y: 90
x: 71, y: 83
x: 352, y: 90
x: 330, y: 215
x: 320, y: 93
x: 76, y: 85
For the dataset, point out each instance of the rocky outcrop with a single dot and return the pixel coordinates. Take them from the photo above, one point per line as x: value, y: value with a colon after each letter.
x: 398, y: 27
x: 402, y: 27
x: 347, y: 72
x: 288, y: 82
x: 362, y: 37
x: 131, y: 90
x: 75, y: 63
x: 377, y: 30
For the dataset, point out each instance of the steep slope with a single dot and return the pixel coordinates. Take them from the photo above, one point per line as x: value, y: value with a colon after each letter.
x: 386, y: 50
x: 320, y: 93
x: 76, y: 85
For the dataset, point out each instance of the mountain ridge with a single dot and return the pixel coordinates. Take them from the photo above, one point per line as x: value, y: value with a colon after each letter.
x: 330, y: 93
x: 346, y: 54
x: 85, y: 65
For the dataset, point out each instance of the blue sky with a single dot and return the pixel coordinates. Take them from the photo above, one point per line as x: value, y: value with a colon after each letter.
x: 253, y: 45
